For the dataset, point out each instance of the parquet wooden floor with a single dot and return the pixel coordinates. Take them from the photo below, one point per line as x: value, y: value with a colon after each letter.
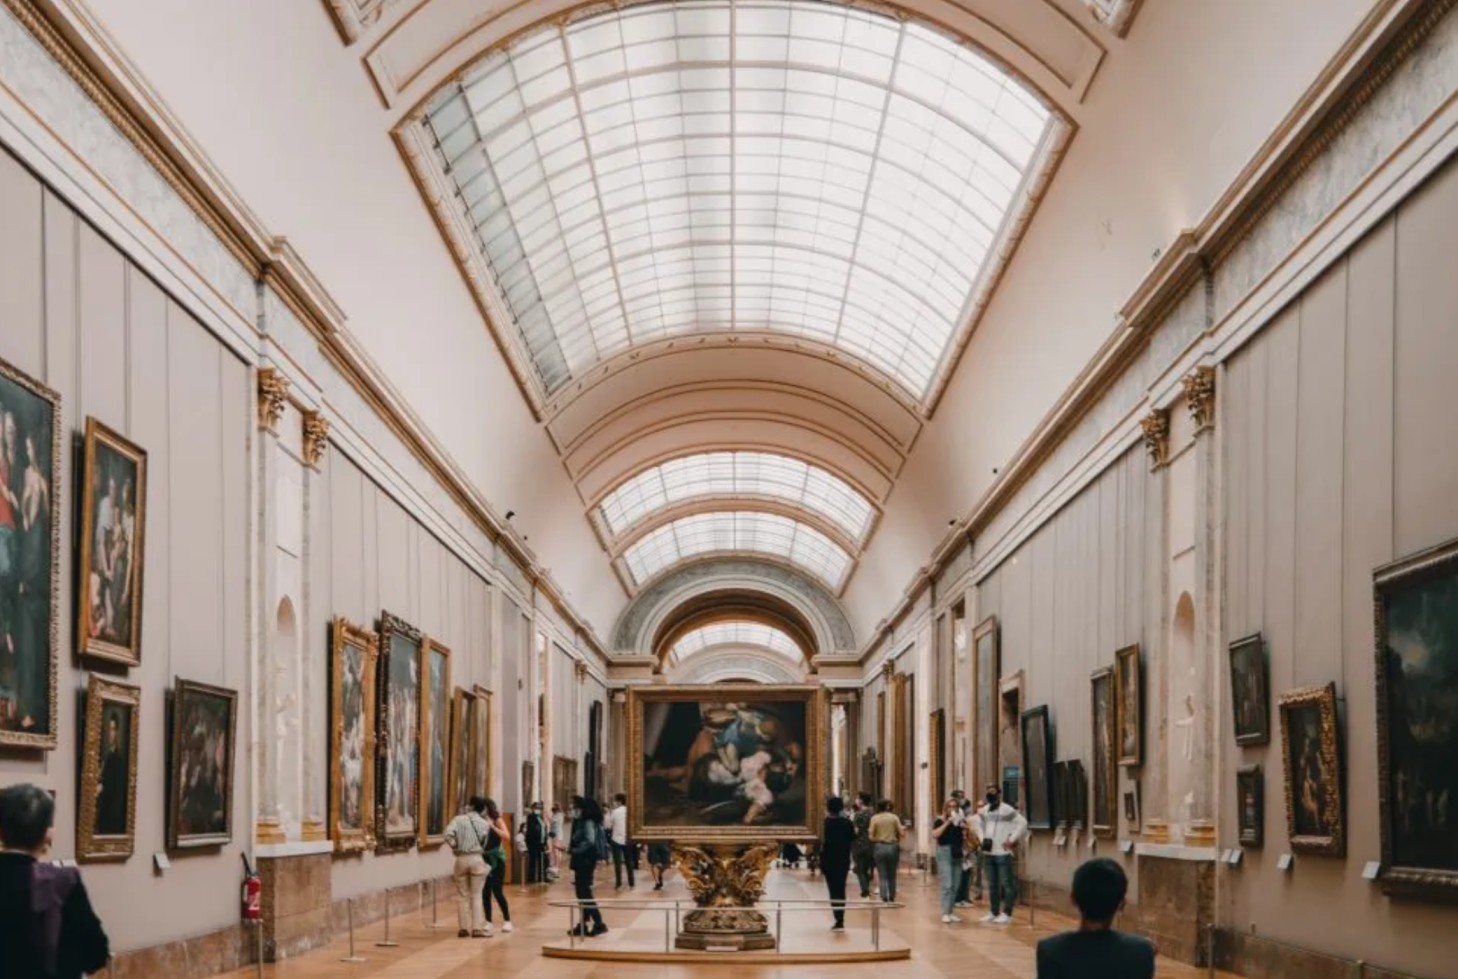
x: 962, y: 951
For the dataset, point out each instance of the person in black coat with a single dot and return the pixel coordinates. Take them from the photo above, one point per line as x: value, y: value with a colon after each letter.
x: 588, y: 837
x: 536, y: 844
x: 837, y: 838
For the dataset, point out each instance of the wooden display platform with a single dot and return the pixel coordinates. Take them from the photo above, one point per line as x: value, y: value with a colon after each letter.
x: 606, y: 953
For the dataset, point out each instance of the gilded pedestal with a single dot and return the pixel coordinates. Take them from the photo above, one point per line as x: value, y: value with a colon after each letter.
x: 726, y: 882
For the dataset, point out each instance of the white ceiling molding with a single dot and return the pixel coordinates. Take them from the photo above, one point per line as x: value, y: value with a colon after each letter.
x: 732, y: 664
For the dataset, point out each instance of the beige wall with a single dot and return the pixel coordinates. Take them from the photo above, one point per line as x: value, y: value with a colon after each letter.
x: 77, y: 315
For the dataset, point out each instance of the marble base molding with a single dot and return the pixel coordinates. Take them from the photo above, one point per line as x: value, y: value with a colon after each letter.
x: 1264, y: 958
x: 190, y: 958
x: 297, y: 895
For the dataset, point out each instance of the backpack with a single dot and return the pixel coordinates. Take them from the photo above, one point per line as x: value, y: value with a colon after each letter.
x: 604, y: 844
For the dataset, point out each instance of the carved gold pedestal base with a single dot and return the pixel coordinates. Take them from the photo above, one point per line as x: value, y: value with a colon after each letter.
x: 715, y: 930
x: 726, y: 882
x: 1200, y: 832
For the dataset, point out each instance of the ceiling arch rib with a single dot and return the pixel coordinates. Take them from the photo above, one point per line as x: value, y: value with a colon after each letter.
x: 739, y: 531
x: 736, y: 634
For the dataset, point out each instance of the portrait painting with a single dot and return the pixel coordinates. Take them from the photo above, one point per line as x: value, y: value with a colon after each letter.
x: 1417, y: 723
x: 1129, y: 706
x: 481, y: 770
x: 1311, y: 754
x: 106, y: 818
x: 435, y: 749
x: 200, y: 778
x: 462, y: 705
x: 1250, y: 801
x: 352, y: 736
x: 1131, y: 807
x: 30, y: 520
x: 1250, y: 698
x: 1038, y: 764
x: 732, y: 762
x: 1062, y: 794
x: 398, y: 734
x: 1105, y: 771
x: 113, y: 529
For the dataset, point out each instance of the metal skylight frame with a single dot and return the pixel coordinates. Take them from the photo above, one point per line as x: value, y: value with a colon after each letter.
x: 795, y: 166
x: 742, y: 474
x: 737, y: 531
x: 736, y: 633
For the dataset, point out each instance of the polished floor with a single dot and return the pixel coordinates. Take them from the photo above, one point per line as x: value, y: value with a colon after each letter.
x: 963, y: 951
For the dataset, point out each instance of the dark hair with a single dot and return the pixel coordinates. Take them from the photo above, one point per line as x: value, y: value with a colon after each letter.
x: 865, y: 797
x: 478, y: 803
x: 835, y: 804
x: 491, y: 808
x: 588, y: 808
x: 1099, y: 887
x: 884, y: 806
x: 621, y: 797
x: 26, y: 812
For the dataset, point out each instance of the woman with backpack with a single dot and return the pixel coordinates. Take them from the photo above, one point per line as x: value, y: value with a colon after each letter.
x: 589, y: 846
x: 496, y: 861
x: 467, y: 835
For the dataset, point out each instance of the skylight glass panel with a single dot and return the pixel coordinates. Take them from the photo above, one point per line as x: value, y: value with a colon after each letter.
x: 721, y: 634
x: 798, y: 167
x: 737, y: 474
x: 762, y: 533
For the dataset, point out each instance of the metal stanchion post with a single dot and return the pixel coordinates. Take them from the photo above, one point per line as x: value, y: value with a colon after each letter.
x: 352, y: 957
x: 387, y: 943
x: 876, y: 927
x: 780, y: 927
x: 258, y: 965
x: 667, y: 936
x: 572, y: 925
x: 434, y: 906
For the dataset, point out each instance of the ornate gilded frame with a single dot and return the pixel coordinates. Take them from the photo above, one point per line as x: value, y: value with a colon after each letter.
x: 1324, y: 699
x: 1105, y: 821
x: 1135, y: 758
x: 98, y: 434
x: 817, y: 754
x: 431, y: 716
x: 47, y: 740
x: 182, y: 690
x: 89, y: 845
x: 1262, y: 734
x: 392, y: 626
x: 985, y: 731
x: 458, y: 775
x: 346, y: 636
x: 482, y: 760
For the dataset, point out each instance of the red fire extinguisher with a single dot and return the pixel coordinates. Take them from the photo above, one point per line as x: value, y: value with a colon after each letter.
x: 252, y: 892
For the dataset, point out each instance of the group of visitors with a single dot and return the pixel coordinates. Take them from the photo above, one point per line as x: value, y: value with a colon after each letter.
x: 476, y: 837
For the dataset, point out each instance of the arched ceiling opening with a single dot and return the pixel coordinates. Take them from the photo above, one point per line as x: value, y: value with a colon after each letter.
x: 731, y: 633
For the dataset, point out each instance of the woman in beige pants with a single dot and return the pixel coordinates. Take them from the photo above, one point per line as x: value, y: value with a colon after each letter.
x: 466, y: 836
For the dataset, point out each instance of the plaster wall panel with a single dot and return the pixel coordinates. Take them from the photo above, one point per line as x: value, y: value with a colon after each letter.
x: 103, y: 305
x: 22, y: 250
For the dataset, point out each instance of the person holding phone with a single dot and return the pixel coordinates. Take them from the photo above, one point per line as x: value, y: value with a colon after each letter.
x: 998, y: 828
x: 950, y: 833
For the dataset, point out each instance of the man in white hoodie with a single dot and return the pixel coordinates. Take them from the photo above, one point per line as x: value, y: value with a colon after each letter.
x: 999, y: 829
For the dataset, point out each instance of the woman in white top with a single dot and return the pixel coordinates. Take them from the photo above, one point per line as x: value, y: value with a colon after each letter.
x: 558, y: 837
x: 466, y: 836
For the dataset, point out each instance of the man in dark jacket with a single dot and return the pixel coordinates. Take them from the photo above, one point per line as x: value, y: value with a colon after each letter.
x: 861, y: 850
x: 47, y: 927
x: 536, y: 844
x: 1096, y: 950
x: 837, y: 839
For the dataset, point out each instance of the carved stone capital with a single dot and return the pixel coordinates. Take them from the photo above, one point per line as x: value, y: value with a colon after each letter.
x: 888, y: 669
x: 316, y: 438
x: 273, y: 397
x: 580, y: 668
x: 1156, y: 436
x: 1199, y: 387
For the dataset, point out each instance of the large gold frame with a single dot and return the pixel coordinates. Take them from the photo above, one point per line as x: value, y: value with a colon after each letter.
x: 428, y: 712
x: 1323, y: 698
x: 391, y: 626
x: 482, y: 760
x: 817, y: 718
x: 345, y: 635
x: 175, y: 840
x: 90, y: 846
x: 1136, y: 674
x: 131, y: 653
x: 1105, y: 821
x: 463, y: 707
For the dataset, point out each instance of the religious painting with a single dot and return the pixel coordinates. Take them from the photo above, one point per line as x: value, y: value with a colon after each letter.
x: 481, y: 771
x: 1129, y: 706
x: 1062, y: 794
x: 106, y: 823
x: 352, y: 737
x: 1249, y: 691
x: 435, y: 749
x: 1131, y: 807
x: 1311, y: 752
x: 398, y: 724
x: 1038, y: 766
x: 200, y: 777
x: 1105, y: 771
x: 461, y: 709
x: 728, y: 763
x: 1250, y: 801
x: 113, y: 528
x: 30, y: 520
x: 1417, y: 723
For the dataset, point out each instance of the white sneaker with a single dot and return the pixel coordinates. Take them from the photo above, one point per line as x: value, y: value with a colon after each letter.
x: 955, y: 919
x: 507, y: 928
x: 988, y: 918
x: 1001, y: 919
x: 947, y: 919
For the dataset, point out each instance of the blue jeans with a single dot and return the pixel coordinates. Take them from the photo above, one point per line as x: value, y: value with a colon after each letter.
x: 888, y: 857
x: 949, y: 875
x: 999, y: 878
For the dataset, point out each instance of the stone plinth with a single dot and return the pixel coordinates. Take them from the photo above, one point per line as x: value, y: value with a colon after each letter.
x: 297, y: 894
x: 1176, y: 903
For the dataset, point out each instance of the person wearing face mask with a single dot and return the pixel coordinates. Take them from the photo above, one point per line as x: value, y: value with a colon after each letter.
x: 998, y: 828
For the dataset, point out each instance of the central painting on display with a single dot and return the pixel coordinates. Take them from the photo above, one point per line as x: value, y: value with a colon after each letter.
x: 727, y: 763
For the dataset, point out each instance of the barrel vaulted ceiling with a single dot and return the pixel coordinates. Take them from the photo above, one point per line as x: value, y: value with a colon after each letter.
x: 732, y: 249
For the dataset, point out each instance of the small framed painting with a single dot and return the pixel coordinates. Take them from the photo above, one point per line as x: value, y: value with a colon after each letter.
x: 1131, y: 807
x: 113, y: 528
x: 1250, y: 698
x: 106, y: 824
x: 204, y: 731
x: 1038, y: 764
x: 1312, y: 756
x: 1250, y: 799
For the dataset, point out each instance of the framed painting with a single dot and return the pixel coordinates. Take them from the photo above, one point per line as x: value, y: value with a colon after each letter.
x: 1250, y: 698
x: 113, y: 530
x: 398, y: 738
x: 1416, y: 605
x: 200, y: 777
x: 1129, y: 706
x: 462, y: 706
x: 937, y: 738
x: 986, y: 667
x: 1038, y: 767
x: 355, y: 652
x: 1062, y: 794
x: 1077, y: 812
x: 1250, y: 800
x: 482, y: 770
x: 1311, y: 753
x: 1131, y: 807
x: 1105, y: 771
x: 30, y: 559
x: 435, y: 747
x: 106, y: 820
x: 564, y: 779
x: 732, y: 763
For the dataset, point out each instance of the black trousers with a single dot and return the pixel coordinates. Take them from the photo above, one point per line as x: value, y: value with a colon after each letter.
x: 496, y: 887
x: 864, y: 865
x: 582, y: 889
x: 536, y: 870
x: 835, y: 875
x: 622, y: 857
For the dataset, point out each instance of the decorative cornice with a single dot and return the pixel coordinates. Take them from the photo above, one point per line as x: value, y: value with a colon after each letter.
x: 1199, y: 386
x: 1156, y: 436
x: 316, y: 438
x: 273, y: 397
x: 888, y: 669
x: 580, y: 669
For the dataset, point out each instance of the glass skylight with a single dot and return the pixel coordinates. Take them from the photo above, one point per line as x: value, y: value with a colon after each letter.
x: 736, y: 634
x: 739, y: 474
x: 763, y: 533
x: 802, y: 167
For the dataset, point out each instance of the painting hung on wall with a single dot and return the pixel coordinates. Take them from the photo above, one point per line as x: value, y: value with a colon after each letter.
x: 352, y: 743
x: 397, y: 778
x: 1131, y: 807
x: 435, y: 749
x: 30, y: 449
x: 200, y: 800
x: 1038, y: 763
x: 1062, y: 794
x: 1077, y: 811
x: 986, y: 667
x: 481, y: 771
x: 106, y: 820
x: 1250, y: 801
x: 462, y: 707
x: 728, y: 763
x: 1105, y: 772
x: 113, y: 529
x: 1129, y: 706
x: 1311, y: 753
x: 1417, y: 723
x: 1250, y: 698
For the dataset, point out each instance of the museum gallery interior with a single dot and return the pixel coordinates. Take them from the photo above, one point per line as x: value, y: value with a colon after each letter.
x: 734, y: 404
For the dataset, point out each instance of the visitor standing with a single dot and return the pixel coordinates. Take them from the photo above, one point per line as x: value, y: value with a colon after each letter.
x: 583, y: 855
x: 47, y: 927
x: 1096, y: 950
x: 998, y: 828
x: 863, y: 851
x: 659, y: 858
x: 558, y: 835
x: 618, y: 830
x: 466, y: 836
x: 836, y: 840
x: 971, y: 861
x: 885, y: 833
x: 950, y: 832
x: 496, y: 861
x: 536, y: 845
